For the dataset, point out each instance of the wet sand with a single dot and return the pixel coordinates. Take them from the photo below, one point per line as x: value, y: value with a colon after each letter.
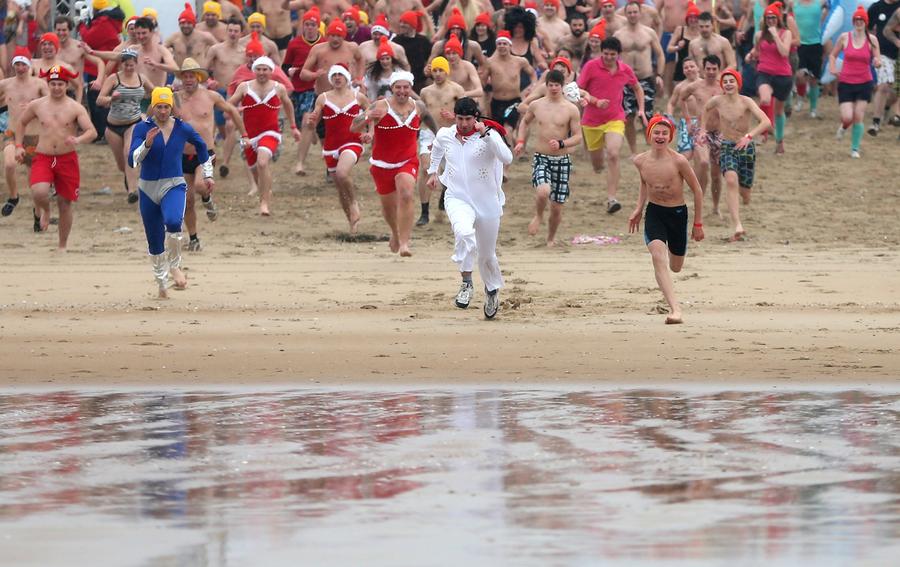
x: 812, y: 294
x: 554, y: 477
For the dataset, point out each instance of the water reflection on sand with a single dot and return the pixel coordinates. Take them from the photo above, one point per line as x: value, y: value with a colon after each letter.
x: 487, y: 477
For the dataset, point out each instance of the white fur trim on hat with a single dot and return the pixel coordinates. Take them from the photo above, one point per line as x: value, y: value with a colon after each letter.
x: 265, y: 61
x: 402, y: 76
x: 382, y: 30
x: 338, y: 70
x: 21, y: 59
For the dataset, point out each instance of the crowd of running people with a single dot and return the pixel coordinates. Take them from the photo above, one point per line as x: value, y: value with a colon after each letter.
x: 557, y: 77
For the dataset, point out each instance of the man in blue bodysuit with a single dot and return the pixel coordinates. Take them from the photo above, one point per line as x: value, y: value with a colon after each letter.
x: 157, y: 145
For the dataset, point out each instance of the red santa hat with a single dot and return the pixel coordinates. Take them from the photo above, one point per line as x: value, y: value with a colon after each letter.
x: 381, y: 25
x: 599, y: 30
x: 504, y: 36
x: 187, y: 15
x: 861, y: 14
x: 484, y: 18
x: 353, y: 14
x: 692, y: 11
x: 51, y: 37
x: 22, y: 55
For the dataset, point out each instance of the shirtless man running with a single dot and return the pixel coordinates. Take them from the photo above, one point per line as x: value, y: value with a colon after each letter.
x: 558, y: 135
x: 369, y: 49
x: 223, y: 59
x: 738, y: 157
x: 189, y: 41
x: 503, y: 70
x: 711, y: 43
x: 663, y: 175
x: 55, y: 161
x: 335, y: 50
x: 462, y: 72
x: 18, y: 91
x: 277, y: 22
x: 705, y: 152
x: 640, y: 46
x: 439, y: 98
x: 196, y: 108
x: 212, y: 20
x: 48, y: 47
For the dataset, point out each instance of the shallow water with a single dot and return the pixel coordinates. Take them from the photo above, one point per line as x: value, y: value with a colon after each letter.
x: 486, y: 477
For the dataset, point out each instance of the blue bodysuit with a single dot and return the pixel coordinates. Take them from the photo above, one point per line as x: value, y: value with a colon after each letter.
x: 161, y: 183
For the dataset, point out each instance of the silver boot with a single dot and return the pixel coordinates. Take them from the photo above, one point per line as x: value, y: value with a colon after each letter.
x: 174, y: 244
x: 160, y: 270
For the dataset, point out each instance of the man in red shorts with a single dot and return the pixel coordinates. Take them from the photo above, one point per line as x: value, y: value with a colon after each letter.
x: 395, y: 159
x: 55, y: 161
x: 260, y: 100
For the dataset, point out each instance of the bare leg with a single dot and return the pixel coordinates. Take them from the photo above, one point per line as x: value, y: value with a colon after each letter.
x: 660, y: 255
x: 190, y: 213
x: 117, y: 147
x: 613, y: 145
x: 631, y: 134
x: 40, y: 194
x: 715, y: 184
x: 541, y: 198
x: 553, y: 223
x: 597, y: 159
x: 421, y: 182
x: 669, y: 77
x: 731, y: 198
x: 346, y: 192
x: 306, y: 137
x: 264, y: 175
x: 9, y: 169
x: 389, y: 211
x: 253, y: 180
x: 228, y: 142
x: 131, y: 174
x: 66, y: 216
x: 406, y: 211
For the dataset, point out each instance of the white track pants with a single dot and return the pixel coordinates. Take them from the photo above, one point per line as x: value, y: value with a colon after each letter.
x: 475, y: 238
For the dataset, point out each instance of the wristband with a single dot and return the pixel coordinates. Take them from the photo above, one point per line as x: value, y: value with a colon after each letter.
x: 20, y: 146
x: 520, y: 141
x: 748, y: 136
x: 698, y: 225
x: 562, y: 143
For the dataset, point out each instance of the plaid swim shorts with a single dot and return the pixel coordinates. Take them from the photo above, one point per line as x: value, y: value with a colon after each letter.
x: 629, y: 100
x: 553, y: 171
x: 742, y: 162
x: 685, y: 137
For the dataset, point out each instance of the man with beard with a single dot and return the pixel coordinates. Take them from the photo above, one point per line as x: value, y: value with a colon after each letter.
x: 576, y: 39
x: 189, y: 41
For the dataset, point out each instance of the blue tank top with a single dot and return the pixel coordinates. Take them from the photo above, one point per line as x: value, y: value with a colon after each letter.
x: 809, y: 22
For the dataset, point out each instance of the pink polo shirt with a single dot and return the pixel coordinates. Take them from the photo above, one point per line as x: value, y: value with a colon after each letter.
x: 601, y: 83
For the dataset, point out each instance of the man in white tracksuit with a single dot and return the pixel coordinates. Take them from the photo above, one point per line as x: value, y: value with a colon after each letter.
x: 474, y: 154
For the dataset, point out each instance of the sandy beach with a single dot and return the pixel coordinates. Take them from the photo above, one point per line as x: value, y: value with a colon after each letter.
x: 812, y: 295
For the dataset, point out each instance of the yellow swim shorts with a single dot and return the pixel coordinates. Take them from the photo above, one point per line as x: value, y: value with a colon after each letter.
x: 595, y: 136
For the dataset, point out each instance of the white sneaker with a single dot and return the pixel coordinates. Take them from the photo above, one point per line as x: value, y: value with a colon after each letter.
x: 464, y: 295
x: 491, y: 303
x: 840, y: 132
x: 854, y: 154
x: 798, y: 104
x: 813, y: 114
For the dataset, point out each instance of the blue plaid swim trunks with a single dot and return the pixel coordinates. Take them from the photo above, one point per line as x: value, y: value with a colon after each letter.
x: 553, y: 171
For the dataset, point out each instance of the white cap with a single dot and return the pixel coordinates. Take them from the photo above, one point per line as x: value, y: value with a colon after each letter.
x: 264, y: 62
x: 380, y: 29
x: 402, y: 76
x: 21, y: 59
x: 338, y: 70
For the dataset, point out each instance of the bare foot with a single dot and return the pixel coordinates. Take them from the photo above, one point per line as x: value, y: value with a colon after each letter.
x: 253, y: 191
x: 61, y: 250
x: 551, y: 244
x: 394, y: 244
x: 264, y: 210
x: 674, y: 319
x: 534, y: 226
x: 45, y: 220
x: 405, y: 251
x: 779, y: 148
x: 179, y: 278
x: 717, y: 212
x: 298, y: 170
x: 163, y: 294
x: 354, y: 220
x: 738, y: 236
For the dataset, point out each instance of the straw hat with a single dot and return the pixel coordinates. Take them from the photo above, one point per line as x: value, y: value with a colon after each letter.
x: 189, y: 65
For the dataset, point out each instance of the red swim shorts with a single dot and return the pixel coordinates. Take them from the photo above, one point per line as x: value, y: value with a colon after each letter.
x: 60, y: 170
x: 270, y: 143
x: 331, y: 161
x: 385, y: 178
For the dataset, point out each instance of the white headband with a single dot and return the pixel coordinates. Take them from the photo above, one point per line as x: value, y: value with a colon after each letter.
x: 21, y: 59
x: 264, y: 61
x: 338, y: 70
x: 381, y: 29
x: 402, y: 76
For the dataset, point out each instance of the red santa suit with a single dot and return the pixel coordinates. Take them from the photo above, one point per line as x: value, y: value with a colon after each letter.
x: 394, y: 149
x: 261, y: 122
